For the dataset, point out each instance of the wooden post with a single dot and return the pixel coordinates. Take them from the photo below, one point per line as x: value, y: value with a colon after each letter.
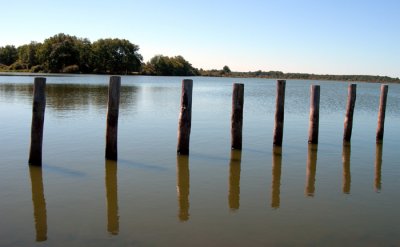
x: 38, y: 109
x: 112, y: 117
x: 314, y: 115
x: 237, y: 116
x: 381, y: 115
x: 279, y: 112
x: 185, y: 117
x: 348, y: 120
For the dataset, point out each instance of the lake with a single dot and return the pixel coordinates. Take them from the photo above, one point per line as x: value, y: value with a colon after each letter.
x: 300, y: 195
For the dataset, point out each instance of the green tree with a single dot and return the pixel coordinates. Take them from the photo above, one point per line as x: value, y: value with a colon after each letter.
x: 27, y: 54
x: 161, y: 65
x: 58, y: 52
x: 183, y: 67
x: 226, y: 69
x: 85, y: 55
x: 8, y: 55
x: 116, y: 56
x: 169, y: 66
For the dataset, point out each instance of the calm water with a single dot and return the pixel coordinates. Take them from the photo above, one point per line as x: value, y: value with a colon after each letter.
x: 300, y: 195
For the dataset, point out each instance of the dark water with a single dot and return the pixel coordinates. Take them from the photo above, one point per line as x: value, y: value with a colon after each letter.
x: 299, y: 195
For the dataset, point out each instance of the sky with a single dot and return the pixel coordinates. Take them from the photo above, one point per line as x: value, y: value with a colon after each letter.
x: 297, y: 36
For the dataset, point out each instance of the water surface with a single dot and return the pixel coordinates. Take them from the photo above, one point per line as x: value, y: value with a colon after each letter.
x: 303, y: 195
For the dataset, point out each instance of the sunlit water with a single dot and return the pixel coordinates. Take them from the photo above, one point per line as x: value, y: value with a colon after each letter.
x: 300, y: 195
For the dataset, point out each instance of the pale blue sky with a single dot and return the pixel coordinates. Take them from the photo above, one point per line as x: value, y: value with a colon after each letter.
x: 311, y: 36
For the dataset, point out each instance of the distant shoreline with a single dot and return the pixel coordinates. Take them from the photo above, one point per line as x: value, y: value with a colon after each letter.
x: 301, y: 76
x: 281, y: 76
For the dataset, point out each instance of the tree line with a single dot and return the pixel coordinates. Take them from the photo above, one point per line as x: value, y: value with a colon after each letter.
x: 297, y: 76
x: 64, y: 53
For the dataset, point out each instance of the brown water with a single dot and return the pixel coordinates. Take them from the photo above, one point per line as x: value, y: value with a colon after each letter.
x: 298, y: 195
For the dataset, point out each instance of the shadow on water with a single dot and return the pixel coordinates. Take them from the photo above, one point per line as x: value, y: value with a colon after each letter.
x: 39, y: 203
x: 112, y: 197
x: 64, y: 171
x: 142, y: 165
x: 183, y: 186
x: 311, y: 169
x: 378, y: 167
x: 234, y: 180
x: 276, y: 176
x: 207, y: 157
x: 346, y: 168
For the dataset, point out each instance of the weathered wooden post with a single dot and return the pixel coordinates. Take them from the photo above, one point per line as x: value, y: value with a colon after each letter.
x: 38, y: 109
x: 348, y: 120
x: 112, y: 117
x: 185, y: 117
x: 314, y: 115
x: 279, y: 112
x: 237, y: 116
x: 381, y: 115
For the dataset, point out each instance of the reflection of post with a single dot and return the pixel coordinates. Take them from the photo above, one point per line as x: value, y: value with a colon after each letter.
x: 276, y: 176
x: 234, y: 180
x: 346, y: 168
x: 182, y: 186
x: 112, y: 197
x: 311, y: 168
x: 39, y: 203
x: 378, y: 166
